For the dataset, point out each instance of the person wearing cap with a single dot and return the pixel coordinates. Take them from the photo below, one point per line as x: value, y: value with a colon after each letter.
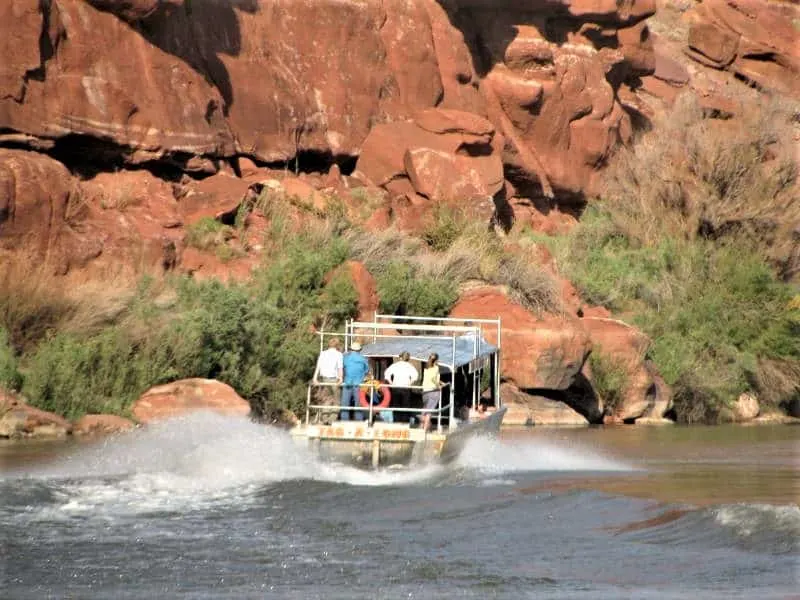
x: 356, y: 368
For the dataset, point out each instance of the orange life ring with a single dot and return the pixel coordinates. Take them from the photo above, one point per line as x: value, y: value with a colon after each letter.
x: 384, y: 389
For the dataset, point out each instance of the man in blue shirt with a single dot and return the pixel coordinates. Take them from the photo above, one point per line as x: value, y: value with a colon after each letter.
x: 355, y: 369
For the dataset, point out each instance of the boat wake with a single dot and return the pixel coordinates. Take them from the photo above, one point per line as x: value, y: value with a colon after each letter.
x: 206, y: 459
x: 495, y: 456
x: 193, y: 461
x: 762, y: 528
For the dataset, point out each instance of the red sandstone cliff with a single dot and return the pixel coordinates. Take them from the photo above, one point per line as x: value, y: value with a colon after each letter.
x: 507, y: 108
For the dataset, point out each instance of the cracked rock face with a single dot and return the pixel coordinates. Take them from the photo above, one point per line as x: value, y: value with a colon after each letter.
x: 757, y: 41
x: 191, y: 82
x: 550, y: 79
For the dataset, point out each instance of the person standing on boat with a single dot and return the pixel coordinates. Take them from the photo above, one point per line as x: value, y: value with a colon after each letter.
x: 401, y: 375
x: 328, y: 375
x: 431, y: 389
x: 356, y: 368
x: 329, y: 364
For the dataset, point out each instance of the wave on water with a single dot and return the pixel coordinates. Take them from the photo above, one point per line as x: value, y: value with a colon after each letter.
x: 194, y: 460
x: 762, y: 528
x: 765, y: 527
x: 492, y: 456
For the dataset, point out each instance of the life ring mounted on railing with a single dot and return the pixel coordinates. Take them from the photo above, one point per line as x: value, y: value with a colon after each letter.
x: 382, y: 389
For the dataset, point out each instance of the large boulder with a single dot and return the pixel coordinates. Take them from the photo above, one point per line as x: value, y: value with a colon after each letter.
x: 754, y: 39
x: 624, y: 348
x: 122, y: 223
x: 444, y: 156
x: 38, y: 199
x: 101, y: 424
x: 745, y: 408
x: 531, y: 409
x: 188, y: 395
x: 537, y: 353
x: 19, y: 420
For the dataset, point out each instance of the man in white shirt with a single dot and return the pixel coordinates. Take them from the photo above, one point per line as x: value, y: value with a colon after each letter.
x: 329, y: 370
x: 401, y: 375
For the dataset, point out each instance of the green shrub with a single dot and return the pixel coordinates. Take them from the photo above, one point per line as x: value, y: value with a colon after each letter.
x: 609, y: 380
x: 101, y: 374
x: 403, y: 291
x: 713, y: 310
x: 444, y: 228
x: 10, y: 378
x: 339, y: 300
x: 207, y: 233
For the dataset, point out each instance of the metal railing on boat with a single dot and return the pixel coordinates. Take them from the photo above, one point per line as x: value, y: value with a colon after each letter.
x: 372, y: 408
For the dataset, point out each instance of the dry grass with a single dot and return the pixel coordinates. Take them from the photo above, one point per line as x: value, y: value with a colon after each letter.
x: 120, y: 198
x: 31, y: 305
x: 99, y: 304
x: 476, y: 254
x: 696, y: 176
x: 378, y: 249
x: 667, y: 21
x: 77, y: 206
x: 777, y: 381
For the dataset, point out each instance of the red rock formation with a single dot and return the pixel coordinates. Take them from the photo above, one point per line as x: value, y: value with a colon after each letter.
x: 527, y: 409
x: 17, y: 420
x: 133, y: 10
x: 755, y: 39
x: 219, y: 82
x: 101, y: 424
x: 443, y: 156
x: 188, y: 395
x: 537, y: 353
x: 551, y: 75
x: 121, y: 223
x: 626, y: 347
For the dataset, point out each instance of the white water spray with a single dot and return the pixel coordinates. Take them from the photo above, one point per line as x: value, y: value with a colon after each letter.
x: 493, y: 456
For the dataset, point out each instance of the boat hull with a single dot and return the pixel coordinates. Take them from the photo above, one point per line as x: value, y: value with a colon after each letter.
x: 388, y: 444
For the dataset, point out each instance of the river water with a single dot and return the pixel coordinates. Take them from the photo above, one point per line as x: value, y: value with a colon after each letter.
x: 216, y: 507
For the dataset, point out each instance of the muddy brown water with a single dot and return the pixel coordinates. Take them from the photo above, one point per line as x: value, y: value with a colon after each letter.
x: 216, y: 507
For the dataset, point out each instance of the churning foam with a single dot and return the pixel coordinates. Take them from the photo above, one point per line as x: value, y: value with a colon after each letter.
x: 194, y: 460
x: 206, y: 458
x: 749, y: 521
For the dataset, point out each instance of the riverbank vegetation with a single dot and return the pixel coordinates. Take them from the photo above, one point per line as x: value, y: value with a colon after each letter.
x: 97, y: 349
x: 695, y: 242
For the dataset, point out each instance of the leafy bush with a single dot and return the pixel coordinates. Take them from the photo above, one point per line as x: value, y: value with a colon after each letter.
x: 10, y: 378
x: 101, y: 374
x: 403, y: 291
x: 609, y: 380
x: 715, y: 311
x: 444, y: 228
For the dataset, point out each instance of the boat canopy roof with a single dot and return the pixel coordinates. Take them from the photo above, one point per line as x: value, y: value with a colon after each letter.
x: 467, y: 348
